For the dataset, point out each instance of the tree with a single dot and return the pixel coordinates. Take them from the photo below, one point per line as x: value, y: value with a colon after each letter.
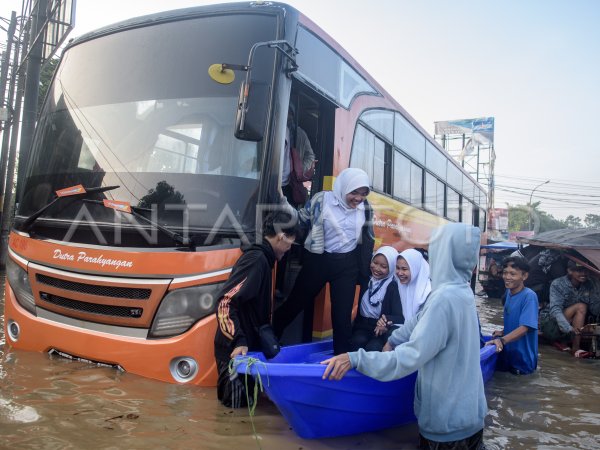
x: 592, y: 220
x: 45, y: 78
x: 520, y: 218
x: 573, y: 222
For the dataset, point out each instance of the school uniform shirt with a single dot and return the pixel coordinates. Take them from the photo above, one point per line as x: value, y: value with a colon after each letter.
x: 341, y: 225
x: 521, y: 309
x: 376, y: 292
x: 332, y: 225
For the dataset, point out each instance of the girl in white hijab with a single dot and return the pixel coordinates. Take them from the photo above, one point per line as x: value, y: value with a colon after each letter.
x: 335, y: 220
x: 414, y: 284
x: 379, y: 301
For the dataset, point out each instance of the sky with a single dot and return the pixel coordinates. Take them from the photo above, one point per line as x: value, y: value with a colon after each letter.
x: 532, y: 65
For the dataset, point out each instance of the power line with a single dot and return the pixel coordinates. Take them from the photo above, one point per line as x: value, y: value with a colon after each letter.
x: 527, y: 191
x: 550, y: 198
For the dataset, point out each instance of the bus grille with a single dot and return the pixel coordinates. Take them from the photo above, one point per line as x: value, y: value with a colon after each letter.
x: 104, y: 291
x: 109, y: 300
x: 92, y: 308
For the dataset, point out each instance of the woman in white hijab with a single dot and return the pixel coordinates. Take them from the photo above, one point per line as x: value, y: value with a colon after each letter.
x: 414, y: 284
x: 338, y: 246
x: 380, y: 301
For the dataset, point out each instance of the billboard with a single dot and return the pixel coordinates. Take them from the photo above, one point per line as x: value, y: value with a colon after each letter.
x: 481, y: 129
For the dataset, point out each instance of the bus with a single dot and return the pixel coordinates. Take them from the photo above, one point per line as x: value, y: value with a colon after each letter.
x: 157, y: 150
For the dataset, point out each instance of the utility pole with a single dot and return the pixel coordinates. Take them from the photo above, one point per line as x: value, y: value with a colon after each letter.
x: 6, y: 102
x: 30, y: 102
x: 6, y: 60
x: 7, y: 215
x: 531, y: 197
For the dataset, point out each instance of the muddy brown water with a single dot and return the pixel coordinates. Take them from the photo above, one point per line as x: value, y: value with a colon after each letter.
x: 52, y: 403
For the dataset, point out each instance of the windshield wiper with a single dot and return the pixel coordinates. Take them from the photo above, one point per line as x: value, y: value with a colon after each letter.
x: 75, y: 191
x: 133, y: 210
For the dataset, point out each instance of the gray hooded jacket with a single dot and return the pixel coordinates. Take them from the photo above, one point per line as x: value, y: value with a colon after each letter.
x: 441, y: 342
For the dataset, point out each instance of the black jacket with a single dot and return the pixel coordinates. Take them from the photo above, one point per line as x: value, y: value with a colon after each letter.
x: 364, y: 251
x: 391, y: 305
x: 245, y: 302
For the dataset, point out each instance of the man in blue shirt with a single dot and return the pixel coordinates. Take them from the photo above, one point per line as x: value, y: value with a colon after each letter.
x: 518, y: 341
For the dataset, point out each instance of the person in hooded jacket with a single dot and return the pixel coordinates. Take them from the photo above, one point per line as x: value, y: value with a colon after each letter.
x: 442, y: 343
x: 379, y: 307
x: 245, y: 303
x: 337, y: 250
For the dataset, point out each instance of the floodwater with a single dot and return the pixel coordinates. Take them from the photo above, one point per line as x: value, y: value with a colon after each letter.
x: 53, y: 403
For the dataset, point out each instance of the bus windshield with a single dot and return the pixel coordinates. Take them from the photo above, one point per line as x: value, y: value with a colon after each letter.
x: 138, y: 110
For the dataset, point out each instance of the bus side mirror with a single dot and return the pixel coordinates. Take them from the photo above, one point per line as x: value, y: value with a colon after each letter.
x: 251, y: 116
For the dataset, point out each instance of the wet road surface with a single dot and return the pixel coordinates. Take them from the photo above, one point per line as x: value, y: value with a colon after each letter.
x: 52, y: 403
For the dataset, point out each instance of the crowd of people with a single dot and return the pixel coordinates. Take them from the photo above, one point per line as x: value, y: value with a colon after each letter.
x: 407, y: 314
x: 416, y: 310
x: 567, y: 292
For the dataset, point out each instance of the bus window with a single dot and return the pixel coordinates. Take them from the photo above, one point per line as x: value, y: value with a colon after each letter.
x: 416, y: 185
x: 381, y: 121
x: 467, y: 212
x: 441, y: 190
x: 409, y: 139
x: 454, y: 177
x: 363, y: 150
x: 430, y: 192
x: 453, y: 212
x: 324, y: 69
x: 379, y: 165
x: 436, y: 162
x: 401, y: 185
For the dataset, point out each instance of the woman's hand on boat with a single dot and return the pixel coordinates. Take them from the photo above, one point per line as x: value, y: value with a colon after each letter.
x: 241, y: 350
x: 337, y: 367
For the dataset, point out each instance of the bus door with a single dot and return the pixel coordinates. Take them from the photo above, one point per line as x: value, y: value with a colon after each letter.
x: 316, y: 116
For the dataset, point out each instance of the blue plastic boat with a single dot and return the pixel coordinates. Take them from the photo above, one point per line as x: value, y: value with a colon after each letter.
x: 317, y: 408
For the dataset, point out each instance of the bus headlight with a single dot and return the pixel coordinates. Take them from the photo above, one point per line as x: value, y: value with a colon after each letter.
x: 19, y: 282
x: 182, y: 308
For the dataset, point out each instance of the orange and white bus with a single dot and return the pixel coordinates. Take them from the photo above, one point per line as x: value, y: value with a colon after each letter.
x: 157, y: 148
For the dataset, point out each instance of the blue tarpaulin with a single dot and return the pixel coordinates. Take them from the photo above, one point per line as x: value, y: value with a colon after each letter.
x: 505, y: 245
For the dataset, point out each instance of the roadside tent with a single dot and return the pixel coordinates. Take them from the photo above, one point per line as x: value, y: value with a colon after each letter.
x: 583, y: 241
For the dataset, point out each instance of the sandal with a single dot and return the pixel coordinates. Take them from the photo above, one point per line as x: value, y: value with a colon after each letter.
x: 582, y: 354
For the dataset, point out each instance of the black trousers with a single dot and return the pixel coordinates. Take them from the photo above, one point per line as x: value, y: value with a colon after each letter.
x: 474, y: 442
x: 340, y: 270
x: 231, y: 390
x: 363, y: 335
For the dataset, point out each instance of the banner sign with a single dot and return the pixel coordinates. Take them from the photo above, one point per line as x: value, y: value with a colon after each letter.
x: 481, y: 128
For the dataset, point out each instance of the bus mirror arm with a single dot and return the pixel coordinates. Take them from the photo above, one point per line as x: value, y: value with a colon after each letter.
x: 253, y: 130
